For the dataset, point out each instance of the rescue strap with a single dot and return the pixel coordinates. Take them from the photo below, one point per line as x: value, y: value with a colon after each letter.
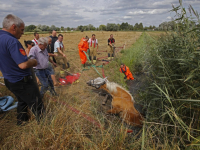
x: 94, y: 43
x: 93, y: 65
x: 36, y: 41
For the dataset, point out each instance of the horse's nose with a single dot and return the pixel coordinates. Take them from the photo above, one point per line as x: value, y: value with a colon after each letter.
x: 89, y: 83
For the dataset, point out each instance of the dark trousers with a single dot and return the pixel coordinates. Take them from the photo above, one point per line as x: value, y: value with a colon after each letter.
x: 54, y: 59
x: 28, y: 96
x: 44, y: 76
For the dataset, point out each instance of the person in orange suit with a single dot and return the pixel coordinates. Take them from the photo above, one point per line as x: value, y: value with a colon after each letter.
x: 124, y: 69
x: 83, y: 46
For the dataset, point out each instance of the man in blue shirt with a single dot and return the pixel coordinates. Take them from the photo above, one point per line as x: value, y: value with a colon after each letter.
x: 15, y: 67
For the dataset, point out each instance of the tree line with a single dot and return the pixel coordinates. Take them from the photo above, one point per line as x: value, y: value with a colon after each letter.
x: 125, y: 26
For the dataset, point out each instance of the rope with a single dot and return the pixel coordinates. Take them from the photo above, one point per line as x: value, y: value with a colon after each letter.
x: 103, y: 73
x: 93, y: 65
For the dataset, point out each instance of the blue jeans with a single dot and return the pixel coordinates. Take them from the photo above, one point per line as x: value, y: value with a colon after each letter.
x: 45, y: 78
x: 50, y: 69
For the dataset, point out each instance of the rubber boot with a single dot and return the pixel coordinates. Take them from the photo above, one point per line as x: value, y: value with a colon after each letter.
x: 64, y: 66
x: 94, y: 60
x: 62, y: 74
x: 90, y: 58
x: 112, y: 56
x: 68, y: 66
x: 108, y: 56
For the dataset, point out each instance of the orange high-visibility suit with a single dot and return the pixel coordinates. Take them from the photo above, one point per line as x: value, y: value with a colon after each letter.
x: 126, y: 71
x: 83, y: 46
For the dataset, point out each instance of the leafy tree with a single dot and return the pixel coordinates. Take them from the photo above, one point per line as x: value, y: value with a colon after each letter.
x: 53, y: 27
x: 68, y: 28
x: 124, y: 26
x: 140, y: 26
x: 135, y: 27
x: 80, y: 28
x: 43, y: 28
x: 112, y: 27
x: 37, y: 30
x: 30, y: 28
x: 102, y: 27
x: 57, y: 29
x: 62, y: 28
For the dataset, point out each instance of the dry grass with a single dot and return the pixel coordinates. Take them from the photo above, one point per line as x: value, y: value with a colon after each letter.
x: 62, y: 128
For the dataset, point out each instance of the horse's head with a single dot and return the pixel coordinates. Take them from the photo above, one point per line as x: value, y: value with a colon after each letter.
x: 97, y: 83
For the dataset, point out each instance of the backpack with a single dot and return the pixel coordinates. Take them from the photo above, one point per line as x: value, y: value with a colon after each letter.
x: 6, y: 103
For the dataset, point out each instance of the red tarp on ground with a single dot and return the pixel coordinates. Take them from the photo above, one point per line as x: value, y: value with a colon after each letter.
x: 69, y: 79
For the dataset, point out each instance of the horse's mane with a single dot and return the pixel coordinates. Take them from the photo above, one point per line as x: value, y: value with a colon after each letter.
x: 112, y: 87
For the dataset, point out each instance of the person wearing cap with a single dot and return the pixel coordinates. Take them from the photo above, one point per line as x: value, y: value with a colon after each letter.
x: 15, y: 67
x: 93, y: 46
x: 83, y: 47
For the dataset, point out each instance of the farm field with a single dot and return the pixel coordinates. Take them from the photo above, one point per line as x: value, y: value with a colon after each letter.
x: 62, y: 127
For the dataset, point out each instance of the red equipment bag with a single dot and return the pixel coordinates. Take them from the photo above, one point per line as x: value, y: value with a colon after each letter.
x: 69, y: 79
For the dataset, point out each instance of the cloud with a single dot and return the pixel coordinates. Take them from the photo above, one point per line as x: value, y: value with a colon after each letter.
x: 78, y: 12
x: 151, y: 12
x: 169, y: 17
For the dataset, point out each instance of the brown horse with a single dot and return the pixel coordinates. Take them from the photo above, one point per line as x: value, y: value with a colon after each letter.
x: 122, y: 101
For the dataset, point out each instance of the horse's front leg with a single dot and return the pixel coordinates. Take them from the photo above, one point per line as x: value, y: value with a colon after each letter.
x: 105, y: 100
x: 114, y: 110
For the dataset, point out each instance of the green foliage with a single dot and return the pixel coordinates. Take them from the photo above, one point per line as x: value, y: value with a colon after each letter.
x: 68, y: 28
x: 37, y: 30
x: 167, y: 26
x: 173, y: 96
x: 132, y: 57
x: 30, y: 28
x: 86, y: 28
x: 138, y: 27
x: 102, y: 27
x: 112, y: 27
x: 62, y: 28
x: 126, y: 26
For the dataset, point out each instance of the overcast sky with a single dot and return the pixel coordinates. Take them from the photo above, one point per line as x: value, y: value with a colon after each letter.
x: 72, y: 13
